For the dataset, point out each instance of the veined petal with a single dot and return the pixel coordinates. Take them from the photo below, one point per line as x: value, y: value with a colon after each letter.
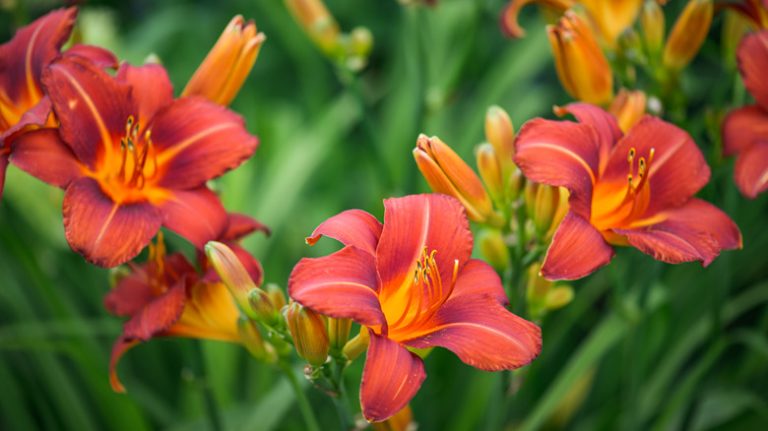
x: 577, y: 250
x: 341, y: 285
x: 42, y: 154
x: 99, y: 56
x: 197, y: 215
x: 198, y: 141
x: 561, y: 153
x: 416, y: 223
x: 605, y: 125
x: 151, y: 88
x: 106, y: 233
x: 677, y: 170
x: 477, y: 278
x: 352, y: 227
x: 753, y: 62
x: 695, y: 231
x: 744, y: 127
x: 91, y: 106
x: 483, y: 334
x: 241, y: 225
x: 24, y: 58
x: 391, y: 377
x: 751, y: 170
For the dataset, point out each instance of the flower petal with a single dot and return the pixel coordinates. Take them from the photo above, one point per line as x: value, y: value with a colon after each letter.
x: 352, y: 227
x: 91, y: 106
x: 744, y: 127
x: 241, y: 225
x: 477, y: 278
x: 605, y: 125
x: 101, y: 57
x: 577, y: 250
x: 751, y: 170
x: 42, y: 154
x: 209, y: 313
x: 415, y: 223
x: 3, y: 166
x: 753, y: 62
x: 678, y: 169
x: 198, y: 141
x: 197, y: 215
x: 391, y: 377
x: 118, y: 350
x: 483, y: 334
x: 561, y: 153
x: 34, y: 118
x: 341, y: 285
x: 695, y: 231
x: 106, y: 233
x: 151, y: 88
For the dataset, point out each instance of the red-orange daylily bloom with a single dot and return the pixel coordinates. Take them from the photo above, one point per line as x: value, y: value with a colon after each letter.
x: 756, y: 11
x: 132, y: 158
x: 745, y: 130
x: 23, y: 104
x: 167, y: 297
x: 412, y: 283
x: 635, y: 189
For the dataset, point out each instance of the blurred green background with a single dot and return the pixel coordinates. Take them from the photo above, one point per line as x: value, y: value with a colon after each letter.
x: 643, y: 345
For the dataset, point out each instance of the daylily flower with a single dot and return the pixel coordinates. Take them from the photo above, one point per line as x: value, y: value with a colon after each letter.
x: 132, y: 158
x: 635, y: 189
x: 756, y: 11
x: 412, y: 284
x: 23, y: 105
x: 226, y: 66
x: 745, y: 130
x: 167, y: 297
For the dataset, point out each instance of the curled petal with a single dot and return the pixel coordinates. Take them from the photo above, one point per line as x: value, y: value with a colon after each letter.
x: 152, y: 89
x: 605, y: 125
x: 342, y: 285
x: 577, y: 250
x: 34, y: 118
x: 477, y: 278
x: 118, y: 350
x: 352, y: 227
x: 198, y: 141
x: 744, y: 127
x: 391, y: 377
x: 753, y: 62
x: 241, y: 225
x: 99, y: 56
x: 483, y: 334
x: 196, y: 215
x: 42, y: 154
x: 416, y: 223
x: 561, y: 153
x: 751, y: 170
x: 696, y: 231
x: 511, y: 11
x: 106, y: 233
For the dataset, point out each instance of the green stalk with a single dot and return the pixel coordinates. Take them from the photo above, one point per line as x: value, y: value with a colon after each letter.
x: 301, y: 399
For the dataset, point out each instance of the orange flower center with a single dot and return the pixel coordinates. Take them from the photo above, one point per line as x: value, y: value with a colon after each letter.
x: 410, y: 308
x: 619, y: 204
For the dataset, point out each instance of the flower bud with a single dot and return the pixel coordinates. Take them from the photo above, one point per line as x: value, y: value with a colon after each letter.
x: 501, y: 134
x: 251, y: 338
x: 357, y: 345
x: 317, y: 22
x: 688, y: 34
x: 401, y: 421
x: 612, y: 17
x: 628, y: 107
x: 581, y: 66
x: 558, y: 297
x: 232, y: 274
x: 276, y: 296
x: 494, y: 249
x: 338, y: 332
x: 447, y: 173
x: 490, y: 171
x: 515, y: 183
x: 307, y: 329
x: 261, y: 306
x: 222, y: 73
x: 546, y: 207
x: 652, y: 24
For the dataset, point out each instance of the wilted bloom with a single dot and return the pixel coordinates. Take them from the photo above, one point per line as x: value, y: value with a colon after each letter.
x: 447, y: 173
x: 222, y: 73
x: 412, y: 283
x: 132, y: 158
x: 688, y: 34
x: 635, y: 189
x: 23, y: 104
x: 610, y: 18
x: 310, y: 337
x: 628, y: 107
x: 745, y: 130
x: 581, y: 66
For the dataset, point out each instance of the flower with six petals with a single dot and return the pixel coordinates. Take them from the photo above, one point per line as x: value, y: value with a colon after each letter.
x: 412, y: 283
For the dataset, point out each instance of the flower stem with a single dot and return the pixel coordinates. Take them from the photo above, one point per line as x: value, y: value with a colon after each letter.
x: 211, y: 408
x: 301, y: 398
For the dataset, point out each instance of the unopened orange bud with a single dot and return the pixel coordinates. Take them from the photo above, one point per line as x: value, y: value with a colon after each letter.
x: 317, y: 22
x: 261, y: 306
x: 500, y: 132
x: 490, y: 171
x: 581, y: 65
x: 688, y: 34
x: 628, y: 107
x: 338, y: 332
x: 447, y: 173
x: 612, y: 17
x: 233, y: 274
x: 652, y: 24
x: 307, y: 329
x: 222, y: 73
x: 401, y: 421
x: 276, y: 296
